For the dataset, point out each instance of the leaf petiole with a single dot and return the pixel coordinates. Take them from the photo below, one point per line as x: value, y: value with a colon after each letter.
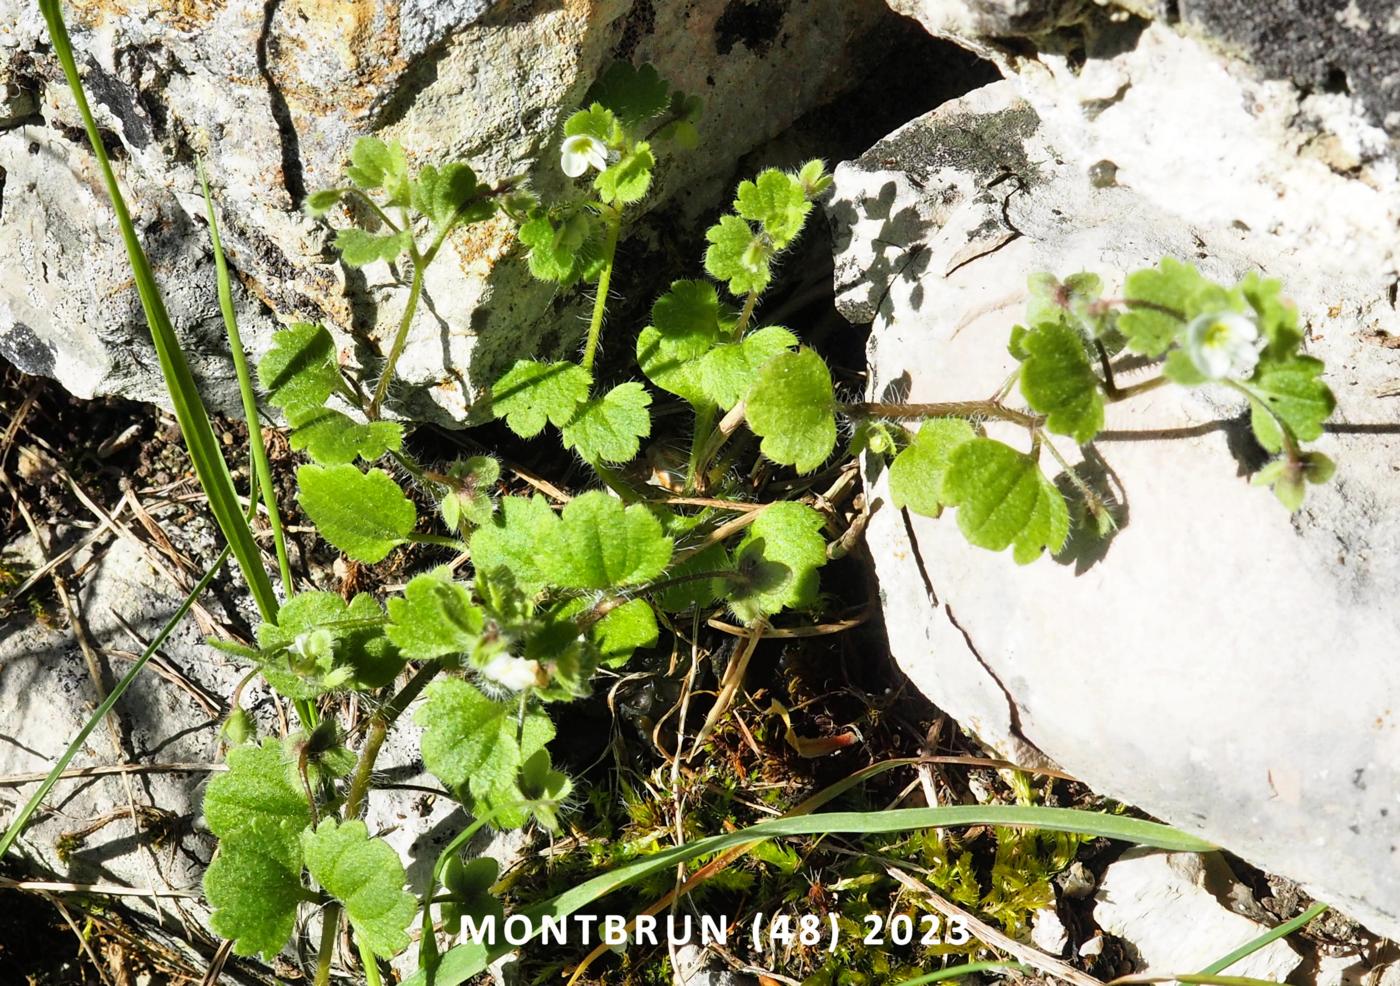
x: 612, y: 219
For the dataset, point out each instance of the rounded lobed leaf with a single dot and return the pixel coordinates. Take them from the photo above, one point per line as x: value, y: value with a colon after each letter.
x: 367, y: 877
x: 917, y: 473
x: 531, y: 393
x: 1004, y: 500
x: 776, y: 563
x: 1058, y: 380
x: 792, y: 407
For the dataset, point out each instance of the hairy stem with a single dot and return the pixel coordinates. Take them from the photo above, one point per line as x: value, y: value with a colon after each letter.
x: 447, y: 541
x: 1091, y: 499
x: 1109, y: 386
x: 374, y: 207
x: 746, y: 315
x: 1123, y: 393
x: 704, y: 422
x: 415, y: 290
x: 613, y: 219
x: 946, y: 409
x: 379, y: 727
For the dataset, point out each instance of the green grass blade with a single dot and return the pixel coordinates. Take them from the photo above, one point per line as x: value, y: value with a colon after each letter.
x: 199, y: 436
x: 1272, y: 935
x: 262, y: 469
x: 464, y: 961
x: 22, y: 819
x: 967, y: 969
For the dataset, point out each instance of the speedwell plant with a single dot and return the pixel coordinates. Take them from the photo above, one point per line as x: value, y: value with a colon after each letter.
x: 477, y: 656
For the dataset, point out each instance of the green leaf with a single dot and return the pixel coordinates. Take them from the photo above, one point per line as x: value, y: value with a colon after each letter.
x: 622, y: 631
x: 333, y: 438
x: 532, y: 393
x: 1058, y: 380
x: 468, y: 497
x: 1278, y: 318
x: 777, y: 561
x: 254, y: 896
x: 814, y: 178
x: 627, y: 181
x: 367, y: 877
x: 375, y: 164
x: 685, y: 326
x: 601, y: 545
x: 565, y: 251
x: 595, y: 121
x: 320, y: 643
x: 473, y: 742
x: 1289, y: 478
x: 434, y: 617
x: 364, y: 514
x: 451, y: 194
x: 918, y: 471
x: 547, y: 787
x: 737, y: 255
x: 255, y: 803
x: 358, y: 248
x: 1290, y: 388
x: 513, y: 540
x: 469, y: 885
x: 683, y: 132
x: 320, y: 202
x: 633, y: 94
x: 697, y: 592
x: 1052, y: 301
x: 300, y: 371
x: 1161, y: 300
x: 727, y: 372
x: 610, y: 428
x: 793, y: 409
x: 776, y: 200
x: 1004, y: 500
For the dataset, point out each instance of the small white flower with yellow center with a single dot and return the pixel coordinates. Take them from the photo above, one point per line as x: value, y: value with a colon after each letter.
x: 514, y: 673
x: 1224, y: 345
x: 581, y: 152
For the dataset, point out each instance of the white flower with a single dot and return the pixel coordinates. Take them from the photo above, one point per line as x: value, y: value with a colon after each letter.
x: 514, y: 673
x: 581, y: 152
x: 1224, y: 344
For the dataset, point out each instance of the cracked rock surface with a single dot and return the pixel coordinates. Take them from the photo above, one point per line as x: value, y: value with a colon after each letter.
x: 1225, y: 666
x: 272, y: 93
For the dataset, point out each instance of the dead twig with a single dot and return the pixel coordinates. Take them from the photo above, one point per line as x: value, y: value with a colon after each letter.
x: 988, y: 935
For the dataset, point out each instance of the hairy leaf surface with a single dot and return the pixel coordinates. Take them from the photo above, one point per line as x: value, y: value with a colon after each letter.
x: 793, y: 409
x: 367, y: 877
x: 1004, y: 500
x: 364, y: 514
x: 918, y: 471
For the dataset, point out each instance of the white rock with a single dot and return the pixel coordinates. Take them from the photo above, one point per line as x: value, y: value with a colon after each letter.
x: 1227, y: 667
x: 272, y: 95
x: 697, y: 966
x: 1168, y: 907
x: 1048, y: 932
x: 1339, y: 970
